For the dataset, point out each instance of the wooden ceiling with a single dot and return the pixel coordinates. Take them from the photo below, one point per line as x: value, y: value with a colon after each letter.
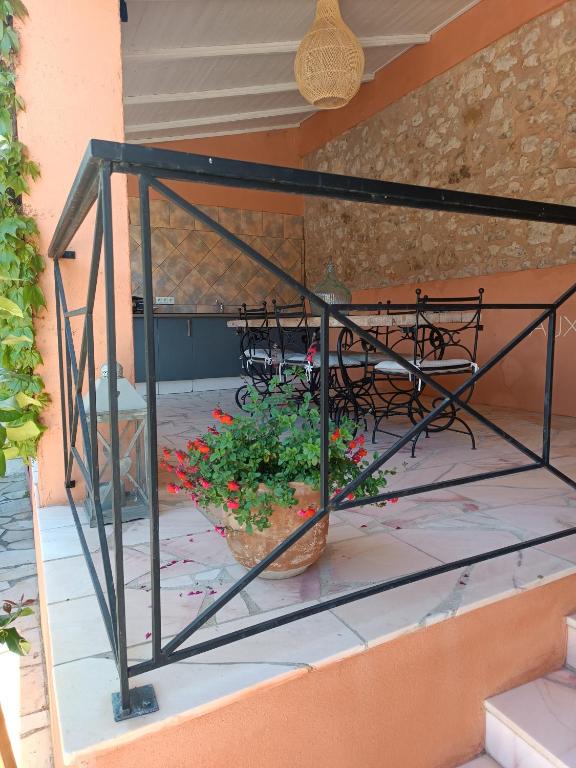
x: 196, y: 68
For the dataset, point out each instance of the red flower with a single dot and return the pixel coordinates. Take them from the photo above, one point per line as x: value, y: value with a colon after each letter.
x: 394, y: 501
x: 213, y: 431
x: 233, y: 485
x: 335, y: 435
x: 217, y: 413
x: 356, y: 458
x: 181, y: 475
x: 204, y: 483
x: 351, y: 496
x: 360, y: 453
x: 194, y: 498
x: 232, y: 504
x: 203, y: 448
x: 181, y: 456
x: 167, y: 453
x: 188, y: 484
x: 308, y: 512
x: 226, y: 419
x: 189, y: 445
x: 221, y: 530
x: 361, y: 440
x: 168, y: 467
x: 173, y: 488
x: 351, y: 445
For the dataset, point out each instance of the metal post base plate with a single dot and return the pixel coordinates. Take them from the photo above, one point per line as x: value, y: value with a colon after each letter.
x: 143, y: 701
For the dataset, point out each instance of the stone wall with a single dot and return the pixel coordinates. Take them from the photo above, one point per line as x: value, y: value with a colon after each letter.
x: 503, y: 122
x: 200, y: 269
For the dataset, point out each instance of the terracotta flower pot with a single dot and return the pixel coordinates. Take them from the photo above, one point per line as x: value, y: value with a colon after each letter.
x: 250, y: 548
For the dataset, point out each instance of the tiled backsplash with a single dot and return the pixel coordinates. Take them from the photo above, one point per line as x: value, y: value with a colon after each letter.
x: 200, y: 269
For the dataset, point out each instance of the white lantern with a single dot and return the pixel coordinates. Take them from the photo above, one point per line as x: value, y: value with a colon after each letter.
x: 132, y: 434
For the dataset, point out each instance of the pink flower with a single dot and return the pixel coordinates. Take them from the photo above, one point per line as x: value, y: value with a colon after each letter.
x: 220, y: 530
x: 233, y: 485
x: 232, y: 504
x: 204, y: 483
x: 213, y: 431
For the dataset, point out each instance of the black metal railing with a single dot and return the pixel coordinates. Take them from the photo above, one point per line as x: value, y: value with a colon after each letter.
x: 92, y: 187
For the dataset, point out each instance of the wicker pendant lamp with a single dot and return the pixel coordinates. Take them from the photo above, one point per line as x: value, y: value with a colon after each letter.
x: 330, y: 61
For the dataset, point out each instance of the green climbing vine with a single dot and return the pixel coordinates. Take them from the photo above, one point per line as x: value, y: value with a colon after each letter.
x: 22, y: 395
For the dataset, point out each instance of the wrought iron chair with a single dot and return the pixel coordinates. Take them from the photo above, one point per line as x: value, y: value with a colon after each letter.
x: 392, y: 385
x: 445, y: 351
x: 256, y: 351
x: 300, y: 352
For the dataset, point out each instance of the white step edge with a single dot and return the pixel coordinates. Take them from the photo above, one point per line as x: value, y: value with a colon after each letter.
x: 484, y: 761
x: 534, y: 725
x: 571, y: 649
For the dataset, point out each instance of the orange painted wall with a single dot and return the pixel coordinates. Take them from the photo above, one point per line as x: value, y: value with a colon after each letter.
x: 518, y: 380
x: 70, y: 77
x: 486, y: 22
x: 273, y: 147
x: 413, y: 702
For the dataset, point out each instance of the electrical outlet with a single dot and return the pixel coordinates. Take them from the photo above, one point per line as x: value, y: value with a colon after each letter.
x: 164, y: 300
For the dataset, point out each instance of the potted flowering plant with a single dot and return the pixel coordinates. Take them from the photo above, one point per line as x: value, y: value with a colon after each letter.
x: 260, y: 471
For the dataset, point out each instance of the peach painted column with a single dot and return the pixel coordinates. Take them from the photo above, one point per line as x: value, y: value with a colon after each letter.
x: 70, y: 77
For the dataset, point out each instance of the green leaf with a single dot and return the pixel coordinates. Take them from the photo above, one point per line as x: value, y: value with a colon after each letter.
x: 27, y: 431
x: 9, y: 414
x: 9, y: 308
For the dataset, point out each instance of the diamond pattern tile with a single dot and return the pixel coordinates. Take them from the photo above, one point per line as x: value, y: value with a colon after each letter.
x: 197, y: 266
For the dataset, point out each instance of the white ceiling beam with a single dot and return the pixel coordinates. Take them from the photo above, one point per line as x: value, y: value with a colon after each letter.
x: 254, y: 49
x: 221, y: 93
x: 208, y: 134
x: 218, y: 119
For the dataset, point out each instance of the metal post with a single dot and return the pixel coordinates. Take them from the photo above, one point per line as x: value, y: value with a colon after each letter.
x: 61, y: 367
x: 549, y: 388
x: 123, y: 702
x: 324, y: 407
x: 151, y: 433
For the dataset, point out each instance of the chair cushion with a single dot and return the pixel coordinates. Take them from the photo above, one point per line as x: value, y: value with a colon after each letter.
x: 447, y: 365
x: 391, y: 366
x: 333, y: 361
x: 257, y: 354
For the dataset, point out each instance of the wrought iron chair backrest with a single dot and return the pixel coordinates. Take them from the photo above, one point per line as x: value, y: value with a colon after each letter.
x: 256, y: 338
x: 436, y: 341
x: 295, y: 335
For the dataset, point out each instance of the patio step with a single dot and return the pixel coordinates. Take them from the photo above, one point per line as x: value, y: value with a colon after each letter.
x: 571, y: 652
x: 534, y: 725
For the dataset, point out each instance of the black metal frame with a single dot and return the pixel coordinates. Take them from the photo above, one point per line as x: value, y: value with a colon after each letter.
x: 92, y: 185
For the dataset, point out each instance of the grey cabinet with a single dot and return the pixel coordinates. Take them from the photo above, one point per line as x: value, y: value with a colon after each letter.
x: 188, y: 348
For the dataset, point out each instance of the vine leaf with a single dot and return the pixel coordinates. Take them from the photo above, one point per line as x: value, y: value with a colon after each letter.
x: 9, y: 308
